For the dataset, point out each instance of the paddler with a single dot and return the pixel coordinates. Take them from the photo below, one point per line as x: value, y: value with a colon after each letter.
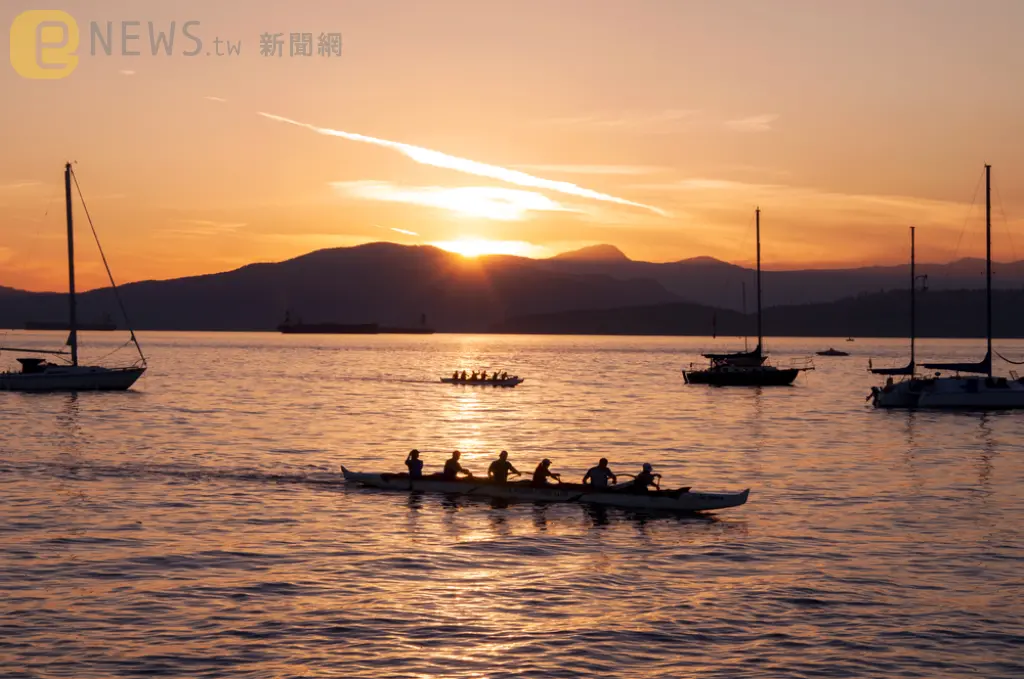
x: 415, y: 464
x: 599, y: 475
x: 645, y: 479
x: 452, y: 468
x: 543, y: 473
x: 500, y: 468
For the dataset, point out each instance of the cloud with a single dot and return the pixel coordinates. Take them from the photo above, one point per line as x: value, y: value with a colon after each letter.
x: 14, y: 186
x: 822, y: 208
x: 405, y: 231
x: 477, y: 201
x: 760, y: 123
x: 204, y: 227
x: 126, y: 72
x: 596, y: 169
x: 443, y: 160
x: 219, y: 100
x: 642, y: 121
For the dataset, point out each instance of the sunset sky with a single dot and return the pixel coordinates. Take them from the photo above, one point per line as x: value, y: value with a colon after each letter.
x: 527, y: 127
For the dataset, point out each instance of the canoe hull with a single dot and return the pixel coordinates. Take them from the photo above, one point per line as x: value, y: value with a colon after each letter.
x: 678, y: 501
x: 510, y: 382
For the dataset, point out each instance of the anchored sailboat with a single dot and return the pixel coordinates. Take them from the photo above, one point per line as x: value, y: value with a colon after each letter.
x: 745, y: 368
x: 965, y: 393
x: 911, y: 367
x: 39, y: 374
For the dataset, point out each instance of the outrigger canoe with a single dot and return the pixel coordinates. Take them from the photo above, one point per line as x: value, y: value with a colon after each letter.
x: 679, y: 500
x: 510, y: 382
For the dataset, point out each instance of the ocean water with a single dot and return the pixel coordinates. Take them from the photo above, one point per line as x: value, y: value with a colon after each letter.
x: 193, y: 527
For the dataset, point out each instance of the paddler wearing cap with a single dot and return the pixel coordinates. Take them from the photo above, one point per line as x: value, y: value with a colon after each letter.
x: 645, y: 479
x: 543, y: 473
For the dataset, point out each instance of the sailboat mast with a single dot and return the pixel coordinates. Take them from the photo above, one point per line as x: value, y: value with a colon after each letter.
x: 72, y: 317
x: 743, y: 292
x: 988, y: 264
x: 913, y: 297
x: 757, y: 220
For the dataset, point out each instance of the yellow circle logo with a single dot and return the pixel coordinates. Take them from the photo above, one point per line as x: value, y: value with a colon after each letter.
x: 43, y: 44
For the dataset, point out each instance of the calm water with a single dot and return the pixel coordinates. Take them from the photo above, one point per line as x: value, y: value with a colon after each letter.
x: 178, y: 530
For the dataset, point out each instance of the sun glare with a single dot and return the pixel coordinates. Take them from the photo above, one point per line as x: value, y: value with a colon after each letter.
x: 488, y: 202
x: 475, y: 247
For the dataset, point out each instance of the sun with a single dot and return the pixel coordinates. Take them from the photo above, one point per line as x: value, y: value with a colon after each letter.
x: 475, y: 247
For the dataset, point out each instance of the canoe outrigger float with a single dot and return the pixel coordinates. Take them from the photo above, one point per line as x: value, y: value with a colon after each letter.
x: 679, y: 500
x: 509, y: 382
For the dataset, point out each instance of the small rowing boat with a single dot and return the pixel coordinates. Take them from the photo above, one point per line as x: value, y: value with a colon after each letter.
x: 679, y: 500
x: 508, y: 382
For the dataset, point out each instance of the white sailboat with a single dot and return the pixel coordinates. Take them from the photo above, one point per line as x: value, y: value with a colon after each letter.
x: 980, y: 390
x: 39, y: 374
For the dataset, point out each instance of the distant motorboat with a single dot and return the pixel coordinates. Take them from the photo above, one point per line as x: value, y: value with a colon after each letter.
x: 832, y: 352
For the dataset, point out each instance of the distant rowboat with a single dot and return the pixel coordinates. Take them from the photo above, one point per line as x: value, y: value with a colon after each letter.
x: 679, y: 500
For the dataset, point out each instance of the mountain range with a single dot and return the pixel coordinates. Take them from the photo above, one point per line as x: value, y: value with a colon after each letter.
x: 394, y: 284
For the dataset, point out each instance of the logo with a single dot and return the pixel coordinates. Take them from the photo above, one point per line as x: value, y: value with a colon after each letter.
x: 43, y: 44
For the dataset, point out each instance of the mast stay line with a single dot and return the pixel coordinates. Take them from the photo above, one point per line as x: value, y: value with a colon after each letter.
x: 110, y: 276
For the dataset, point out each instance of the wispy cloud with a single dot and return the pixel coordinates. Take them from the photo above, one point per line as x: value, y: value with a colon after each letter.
x: 596, y: 169
x: 476, y: 201
x: 225, y: 226
x: 14, y: 186
x: 405, y: 231
x: 443, y: 160
x: 759, y: 123
x: 204, y: 227
x: 641, y: 121
x: 219, y: 100
x: 126, y: 72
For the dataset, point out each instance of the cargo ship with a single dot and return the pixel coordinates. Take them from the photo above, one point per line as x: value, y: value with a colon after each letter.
x: 289, y: 326
x: 106, y: 324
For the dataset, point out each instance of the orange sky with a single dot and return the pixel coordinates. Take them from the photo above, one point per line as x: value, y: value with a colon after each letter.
x: 654, y: 125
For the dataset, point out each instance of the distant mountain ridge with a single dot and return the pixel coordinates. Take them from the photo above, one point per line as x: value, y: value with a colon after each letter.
x: 394, y: 284
x: 595, y: 253
x: 950, y: 313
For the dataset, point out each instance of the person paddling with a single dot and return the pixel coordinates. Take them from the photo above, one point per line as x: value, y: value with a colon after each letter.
x: 599, y: 475
x: 645, y: 479
x: 452, y: 468
x: 543, y: 473
x: 500, y: 468
x: 415, y: 464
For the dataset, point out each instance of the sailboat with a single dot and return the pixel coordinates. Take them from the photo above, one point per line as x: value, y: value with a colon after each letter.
x: 910, y: 368
x: 979, y: 391
x: 39, y: 374
x: 745, y: 368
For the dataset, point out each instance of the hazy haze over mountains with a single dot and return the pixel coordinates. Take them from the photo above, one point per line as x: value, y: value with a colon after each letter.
x: 394, y: 284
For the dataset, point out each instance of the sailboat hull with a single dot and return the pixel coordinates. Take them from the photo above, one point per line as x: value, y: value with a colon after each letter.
x: 951, y: 393
x: 741, y: 376
x: 71, y: 378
